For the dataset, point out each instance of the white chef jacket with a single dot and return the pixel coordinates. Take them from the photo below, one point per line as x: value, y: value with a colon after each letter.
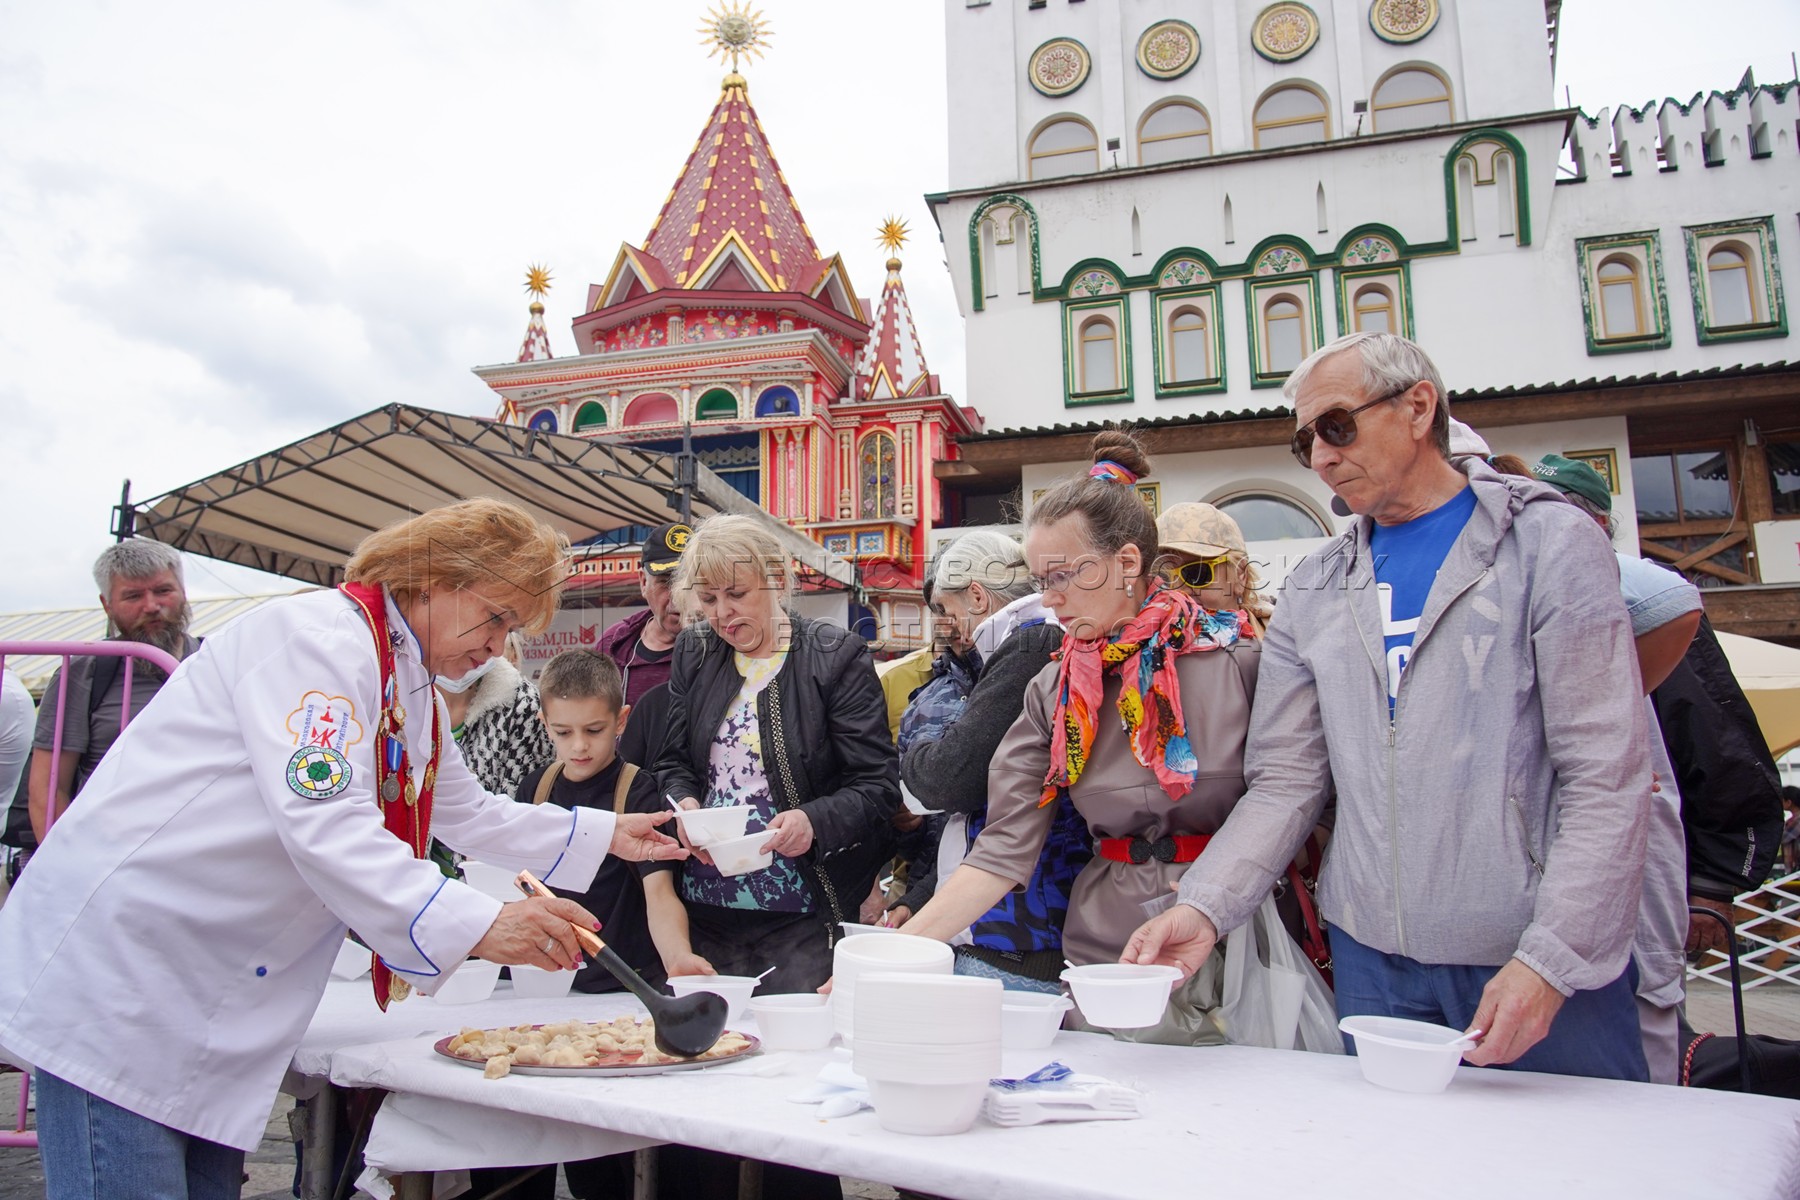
x: 167, y: 946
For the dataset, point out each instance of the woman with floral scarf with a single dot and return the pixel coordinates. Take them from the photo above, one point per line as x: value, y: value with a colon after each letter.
x: 1140, y: 723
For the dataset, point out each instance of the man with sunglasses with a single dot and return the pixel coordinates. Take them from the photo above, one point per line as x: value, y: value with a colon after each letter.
x: 1459, y: 667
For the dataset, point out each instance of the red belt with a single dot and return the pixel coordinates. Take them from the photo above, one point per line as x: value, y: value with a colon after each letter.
x: 1181, y: 848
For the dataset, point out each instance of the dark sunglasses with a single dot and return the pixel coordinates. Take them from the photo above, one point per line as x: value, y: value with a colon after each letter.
x: 1336, y: 425
x: 1201, y: 572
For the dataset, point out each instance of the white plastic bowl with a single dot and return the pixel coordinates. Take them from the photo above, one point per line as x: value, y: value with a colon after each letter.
x: 926, y: 1108
x: 855, y: 956
x: 735, y: 988
x: 491, y: 880
x: 1122, y: 995
x: 707, y: 827
x: 535, y: 983
x: 797, y: 1022
x: 740, y: 856
x: 470, y: 983
x: 1029, y: 1020
x: 1407, y: 1056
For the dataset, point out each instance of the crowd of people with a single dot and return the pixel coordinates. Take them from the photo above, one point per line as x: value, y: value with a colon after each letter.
x: 1473, y: 762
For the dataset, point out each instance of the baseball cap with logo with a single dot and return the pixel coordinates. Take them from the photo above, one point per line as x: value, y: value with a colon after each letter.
x: 1199, y: 530
x: 1567, y: 475
x: 663, y: 546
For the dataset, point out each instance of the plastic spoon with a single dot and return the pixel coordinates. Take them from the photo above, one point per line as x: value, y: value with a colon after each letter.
x: 686, y: 1026
x: 770, y: 971
x: 1469, y: 1040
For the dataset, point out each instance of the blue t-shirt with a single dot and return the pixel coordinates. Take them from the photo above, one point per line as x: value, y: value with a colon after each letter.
x: 1407, y: 558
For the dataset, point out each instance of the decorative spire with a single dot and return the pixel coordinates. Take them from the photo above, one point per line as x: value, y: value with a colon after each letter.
x: 731, y: 199
x: 733, y: 29
x: 892, y: 236
x: 536, y: 346
x: 892, y: 363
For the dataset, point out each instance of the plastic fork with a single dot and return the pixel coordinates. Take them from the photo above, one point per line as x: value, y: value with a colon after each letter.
x: 1094, y: 1102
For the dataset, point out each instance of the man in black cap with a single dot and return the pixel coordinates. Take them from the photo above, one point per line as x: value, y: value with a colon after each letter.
x: 643, y: 642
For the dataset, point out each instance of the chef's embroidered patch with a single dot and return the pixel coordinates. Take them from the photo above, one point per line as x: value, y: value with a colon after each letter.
x: 318, y: 772
x: 323, y: 720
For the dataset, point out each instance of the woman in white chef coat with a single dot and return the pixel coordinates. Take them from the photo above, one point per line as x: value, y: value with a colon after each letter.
x: 167, y: 949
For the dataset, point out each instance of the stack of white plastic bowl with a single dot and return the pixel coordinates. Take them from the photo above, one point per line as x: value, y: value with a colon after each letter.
x: 927, y: 1045
x: 857, y: 956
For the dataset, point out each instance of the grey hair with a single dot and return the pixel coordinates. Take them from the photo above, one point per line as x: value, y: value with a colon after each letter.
x: 1608, y: 519
x: 987, y: 557
x: 137, y: 558
x: 1390, y: 363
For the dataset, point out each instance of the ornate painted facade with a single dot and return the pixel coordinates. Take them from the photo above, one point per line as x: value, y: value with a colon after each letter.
x: 729, y: 323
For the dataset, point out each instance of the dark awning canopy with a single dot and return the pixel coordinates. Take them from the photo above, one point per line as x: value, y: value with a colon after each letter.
x: 299, y: 511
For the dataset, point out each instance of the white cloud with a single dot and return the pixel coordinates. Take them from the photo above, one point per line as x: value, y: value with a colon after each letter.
x: 225, y: 225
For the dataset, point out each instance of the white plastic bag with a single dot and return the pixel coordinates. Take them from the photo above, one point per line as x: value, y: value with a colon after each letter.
x: 1272, y: 995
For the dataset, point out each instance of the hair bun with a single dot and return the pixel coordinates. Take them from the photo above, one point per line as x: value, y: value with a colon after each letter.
x: 1122, y: 447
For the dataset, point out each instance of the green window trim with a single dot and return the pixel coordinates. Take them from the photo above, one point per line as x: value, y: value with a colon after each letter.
x: 1646, y: 246
x: 1162, y: 305
x: 977, y: 282
x: 1307, y: 282
x: 1759, y: 232
x: 1074, y: 311
x: 1349, y: 277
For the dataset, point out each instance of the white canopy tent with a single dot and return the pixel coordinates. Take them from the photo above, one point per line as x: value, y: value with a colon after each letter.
x: 1770, y: 676
x: 299, y: 510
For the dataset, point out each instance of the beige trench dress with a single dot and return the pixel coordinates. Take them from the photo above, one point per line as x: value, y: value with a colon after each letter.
x: 1119, y: 798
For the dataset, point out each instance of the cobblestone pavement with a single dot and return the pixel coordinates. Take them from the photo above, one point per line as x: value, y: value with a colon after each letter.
x: 1771, y: 1009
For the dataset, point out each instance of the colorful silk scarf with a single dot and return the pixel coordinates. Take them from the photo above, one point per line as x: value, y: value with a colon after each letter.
x: 1143, y: 654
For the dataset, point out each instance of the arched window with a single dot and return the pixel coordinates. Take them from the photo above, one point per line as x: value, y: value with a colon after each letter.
x: 1728, y: 279
x: 1374, y: 310
x: 652, y: 408
x: 544, y: 420
x: 1065, y: 146
x: 1621, y: 298
x: 1284, y: 333
x: 591, y: 415
x: 1410, y: 98
x: 1172, y: 131
x: 1291, y: 115
x: 778, y: 401
x: 716, y: 404
x: 1267, y: 517
x: 1099, y: 357
x: 1190, y: 349
x: 877, y: 474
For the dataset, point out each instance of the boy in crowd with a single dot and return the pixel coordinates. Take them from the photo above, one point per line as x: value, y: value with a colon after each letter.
x: 584, y: 710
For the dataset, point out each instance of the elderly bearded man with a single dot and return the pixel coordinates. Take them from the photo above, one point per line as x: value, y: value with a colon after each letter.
x: 145, y: 600
x: 1459, y: 667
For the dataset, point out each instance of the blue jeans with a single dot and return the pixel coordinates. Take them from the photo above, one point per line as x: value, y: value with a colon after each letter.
x: 94, y: 1150
x: 1595, y: 1033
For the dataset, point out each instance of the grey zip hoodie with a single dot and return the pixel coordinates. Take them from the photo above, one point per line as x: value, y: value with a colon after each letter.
x: 1502, y: 812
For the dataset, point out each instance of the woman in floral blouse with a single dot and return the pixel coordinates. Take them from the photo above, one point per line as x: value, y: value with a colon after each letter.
x: 784, y: 714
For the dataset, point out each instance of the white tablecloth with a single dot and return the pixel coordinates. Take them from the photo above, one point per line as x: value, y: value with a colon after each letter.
x: 1231, y: 1121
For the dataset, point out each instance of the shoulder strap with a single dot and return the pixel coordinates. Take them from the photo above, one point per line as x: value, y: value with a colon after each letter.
x: 100, y: 679
x: 552, y: 773
x: 622, y: 790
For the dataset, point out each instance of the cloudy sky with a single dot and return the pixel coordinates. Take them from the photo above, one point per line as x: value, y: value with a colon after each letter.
x: 225, y: 225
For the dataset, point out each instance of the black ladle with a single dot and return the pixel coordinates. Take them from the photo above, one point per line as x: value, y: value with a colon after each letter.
x: 686, y: 1026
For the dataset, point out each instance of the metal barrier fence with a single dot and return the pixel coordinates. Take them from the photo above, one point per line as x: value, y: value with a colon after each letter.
x: 1768, y: 930
x: 18, y: 1135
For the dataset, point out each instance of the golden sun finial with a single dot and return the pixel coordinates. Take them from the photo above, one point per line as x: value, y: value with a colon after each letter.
x: 892, y: 234
x: 537, y: 279
x: 733, y: 29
